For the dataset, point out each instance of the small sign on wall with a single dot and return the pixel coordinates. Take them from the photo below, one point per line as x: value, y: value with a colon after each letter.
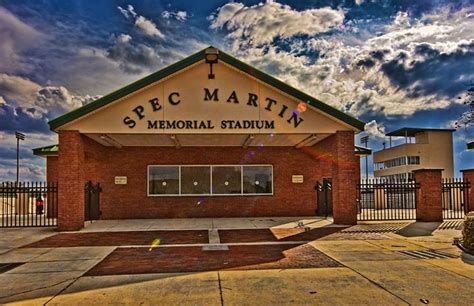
x: 120, y: 180
x: 297, y: 179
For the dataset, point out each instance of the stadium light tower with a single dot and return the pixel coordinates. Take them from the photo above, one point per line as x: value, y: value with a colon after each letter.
x: 19, y: 136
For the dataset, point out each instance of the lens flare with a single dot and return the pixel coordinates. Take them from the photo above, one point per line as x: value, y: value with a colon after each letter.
x: 154, y: 244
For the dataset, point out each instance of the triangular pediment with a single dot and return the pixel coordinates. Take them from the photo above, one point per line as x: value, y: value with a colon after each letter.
x: 182, y: 99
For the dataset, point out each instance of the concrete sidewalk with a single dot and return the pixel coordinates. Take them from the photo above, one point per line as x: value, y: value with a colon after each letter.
x: 375, y: 271
x: 204, y: 223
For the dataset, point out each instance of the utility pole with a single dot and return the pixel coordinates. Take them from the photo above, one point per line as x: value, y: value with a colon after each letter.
x: 365, y: 140
x: 19, y: 136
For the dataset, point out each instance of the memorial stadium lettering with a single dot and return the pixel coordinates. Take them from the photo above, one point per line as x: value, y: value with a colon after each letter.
x: 140, y: 112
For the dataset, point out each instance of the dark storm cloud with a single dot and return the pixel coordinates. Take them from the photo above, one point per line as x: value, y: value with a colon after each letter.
x: 20, y: 119
x: 138, y: 58
x: 441, y: 74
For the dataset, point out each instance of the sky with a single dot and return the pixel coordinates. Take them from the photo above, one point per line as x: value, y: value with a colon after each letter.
x: 390, y: 63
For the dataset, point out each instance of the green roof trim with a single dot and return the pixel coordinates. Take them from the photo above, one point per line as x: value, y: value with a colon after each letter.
x: 190, y: 60
x: 51, y: 150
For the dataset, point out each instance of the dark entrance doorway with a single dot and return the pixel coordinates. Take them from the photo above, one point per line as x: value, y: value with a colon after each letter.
x: 324, y: 197
x: 92, y: 201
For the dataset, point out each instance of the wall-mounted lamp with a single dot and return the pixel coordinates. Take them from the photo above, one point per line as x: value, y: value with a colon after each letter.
x: 175, y: 139
x: 307, y: 141
x: 106, y: 138
x: 212, y: 57
x: 247, y: 141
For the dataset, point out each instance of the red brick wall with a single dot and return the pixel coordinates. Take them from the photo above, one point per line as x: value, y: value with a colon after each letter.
x: 429, y: 207
x: 102, y: 164
x: 52, y: 169
x: 468, y: 175
x: 71, y: 181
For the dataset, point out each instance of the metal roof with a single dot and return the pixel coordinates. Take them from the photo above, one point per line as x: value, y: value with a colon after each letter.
x: 410, y: 131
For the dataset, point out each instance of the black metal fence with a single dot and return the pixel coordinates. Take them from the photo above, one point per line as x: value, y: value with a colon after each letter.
x: 455, y: 198
x: 28, y: 204
x: 381, y: 199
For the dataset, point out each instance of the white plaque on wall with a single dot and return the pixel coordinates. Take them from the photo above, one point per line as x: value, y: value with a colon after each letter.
x: 120, y: 180
x: 297, y: 179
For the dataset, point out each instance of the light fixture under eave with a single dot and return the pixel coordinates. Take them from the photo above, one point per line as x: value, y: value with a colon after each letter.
x: 106, y: 138
x: 175, y: 139
x: 306, y: 141
x: 212, y: 57
x: 247, y: 141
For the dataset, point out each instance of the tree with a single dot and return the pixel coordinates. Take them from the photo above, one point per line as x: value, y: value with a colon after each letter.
x: 467, y: 118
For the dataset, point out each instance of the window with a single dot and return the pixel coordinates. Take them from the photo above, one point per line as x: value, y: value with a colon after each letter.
x: 226, y: 180
x: 257, y: 180
x: 195, y: 180
x: 163, y: 180
x: 413, y: 160
x: 400, y: 161
x: 210, y: 180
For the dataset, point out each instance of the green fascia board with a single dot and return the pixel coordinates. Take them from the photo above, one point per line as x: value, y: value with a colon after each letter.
x: 50, y: 150
x: 188, y: 61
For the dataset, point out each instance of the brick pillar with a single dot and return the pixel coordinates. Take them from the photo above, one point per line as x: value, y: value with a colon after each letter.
x: 52, y: 179
x: 429, y: 206
x: 346, y: 176
x: 468, y: 175
x: 70, y: 181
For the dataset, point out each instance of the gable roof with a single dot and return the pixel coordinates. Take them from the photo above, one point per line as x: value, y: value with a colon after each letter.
x: 190, y: 60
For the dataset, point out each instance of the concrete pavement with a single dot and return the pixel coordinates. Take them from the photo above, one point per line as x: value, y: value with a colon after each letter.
x: 376, y: 271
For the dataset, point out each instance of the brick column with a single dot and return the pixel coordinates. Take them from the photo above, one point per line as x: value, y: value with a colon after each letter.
x: 429, y: 206
x: 346, y: 176
x: 70, y: 181
x: 468, y: 175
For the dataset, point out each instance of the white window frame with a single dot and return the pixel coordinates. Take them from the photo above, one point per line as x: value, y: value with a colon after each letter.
x: 211, y: 194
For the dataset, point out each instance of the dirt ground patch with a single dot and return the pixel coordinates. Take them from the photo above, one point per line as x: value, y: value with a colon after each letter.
x: 122, y: 238
x: 194, y: 259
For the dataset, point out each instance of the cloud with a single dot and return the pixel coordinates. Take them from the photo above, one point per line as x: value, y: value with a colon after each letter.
x: 263, y: 23
x: 137, y: 58
x: 25, y: 105
x: 375, y: 130
x: 145, y: 25
x: 148, y: 27
x: 412, y: 64
x: 179, y: 15
x: 16, y: 37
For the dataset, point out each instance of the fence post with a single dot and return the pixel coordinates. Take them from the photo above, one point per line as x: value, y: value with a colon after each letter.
x: 429, y: 207
x: 468, y: 176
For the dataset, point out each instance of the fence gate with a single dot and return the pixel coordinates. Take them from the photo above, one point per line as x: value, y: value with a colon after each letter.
x: 324, y: 197
x: 28, y: 204
x: 455, y: 198
x: 92, y: 201
x: 380, y: 199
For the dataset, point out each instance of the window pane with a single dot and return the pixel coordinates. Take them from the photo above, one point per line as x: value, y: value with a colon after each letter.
x: 257, y: 179
x: 164, y: 180
x: 226, y: 180
x: 195, y: 180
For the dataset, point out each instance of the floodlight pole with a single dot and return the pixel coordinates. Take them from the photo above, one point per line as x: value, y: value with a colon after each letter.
x: 365, y: 140
x: 19, y: 136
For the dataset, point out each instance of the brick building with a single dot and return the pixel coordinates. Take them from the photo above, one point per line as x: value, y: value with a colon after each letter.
x: 208, y: 136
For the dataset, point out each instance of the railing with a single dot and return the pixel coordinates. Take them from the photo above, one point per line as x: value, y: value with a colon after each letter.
x: 382, y: 199
x: 455, y: 198
x: 28, y: 204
